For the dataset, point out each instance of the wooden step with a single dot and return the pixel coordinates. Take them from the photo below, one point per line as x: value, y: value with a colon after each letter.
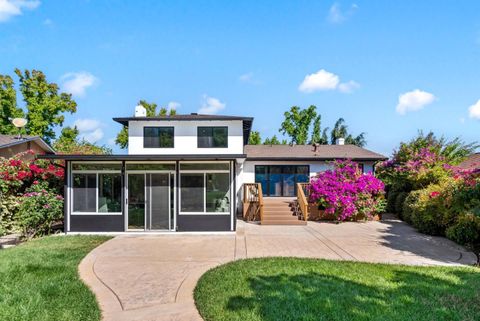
x: 279, y: 222
x: 279, y: 217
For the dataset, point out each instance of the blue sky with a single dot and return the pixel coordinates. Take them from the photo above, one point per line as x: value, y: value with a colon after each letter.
x: 388, y: 68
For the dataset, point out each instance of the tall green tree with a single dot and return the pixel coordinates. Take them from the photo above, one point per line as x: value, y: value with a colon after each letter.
x: 151, y: 108
x: 297, y: 122
x: 70, y: 143
x: 254, y: 138
x: 44, y: 109
x: 340, y: 130
x: 44, y: 104
x: 273, y: 141
x: 319, y: 137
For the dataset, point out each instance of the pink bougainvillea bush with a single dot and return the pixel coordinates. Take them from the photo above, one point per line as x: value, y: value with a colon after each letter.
x: 347, y: 193
x: 18, y: 206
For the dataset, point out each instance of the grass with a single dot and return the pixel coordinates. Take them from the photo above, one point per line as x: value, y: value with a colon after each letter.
x: 39, y: 280
x: 273, y: 289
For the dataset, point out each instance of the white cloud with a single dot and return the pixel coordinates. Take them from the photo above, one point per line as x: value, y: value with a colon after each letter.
x: 348, y: 87
x: 86, y: 125
x: 246, y: 77
x: 321, y: 80
x: 173, y: 105
x: 90, y: 129
x: 93, y: 136
x: 211, y: 105
x: 324, y: 80
x: 111, y: 141
x: 11, y: 8
x: 474, y: 110
x: 413, y: 101
x: 336, y: 15
x: 76, y: 83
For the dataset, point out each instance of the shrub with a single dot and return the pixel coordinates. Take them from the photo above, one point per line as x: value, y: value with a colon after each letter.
x: 466, y: 231
x: 398, y: 208
x: 409, y: 205
x: 346, y: 193
x: 8, y: 208
x: 391, y: 198
x: 39, y: 208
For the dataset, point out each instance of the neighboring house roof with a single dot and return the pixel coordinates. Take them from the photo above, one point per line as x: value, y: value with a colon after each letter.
x: 7, y: 141
x: 472, y: 162
x: 309, y: 152
x: 247, y: 121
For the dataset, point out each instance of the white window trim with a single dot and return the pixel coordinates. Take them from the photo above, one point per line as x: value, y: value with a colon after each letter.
x: 96, y: 172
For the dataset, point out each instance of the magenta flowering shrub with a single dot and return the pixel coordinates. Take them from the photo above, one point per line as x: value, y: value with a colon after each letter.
x: 39, y: 208
x: 347, y: 193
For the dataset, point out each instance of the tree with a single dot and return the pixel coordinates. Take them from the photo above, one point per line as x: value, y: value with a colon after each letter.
x: 254, y: 138
x: 151, y: 108
x: 8, y: 105
x: 273, y: 141
x: 340, y: 130
x: 297, y: 124
x: 319, y: 137
x: 69, y: 143
x: 44, y: 105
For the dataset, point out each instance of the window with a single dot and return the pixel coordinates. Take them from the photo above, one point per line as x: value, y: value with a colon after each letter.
x: 158, y: 137
x: 212, y: 137
x: 205, y: 188
x: 96, y: 190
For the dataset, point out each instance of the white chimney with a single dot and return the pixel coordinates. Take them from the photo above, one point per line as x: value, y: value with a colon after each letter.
x: 340, y: 141
x: 140, y: 111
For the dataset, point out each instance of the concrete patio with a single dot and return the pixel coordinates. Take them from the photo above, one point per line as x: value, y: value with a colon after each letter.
x: 152, y: 277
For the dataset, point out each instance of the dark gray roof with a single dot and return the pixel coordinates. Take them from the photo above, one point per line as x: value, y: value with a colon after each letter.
x: 12, y: 140
x: 247, y: 121
x: 308, y: 152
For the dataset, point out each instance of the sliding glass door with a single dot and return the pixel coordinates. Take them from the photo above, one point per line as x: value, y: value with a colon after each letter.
x: 150, y: 201
x: 281, y: 180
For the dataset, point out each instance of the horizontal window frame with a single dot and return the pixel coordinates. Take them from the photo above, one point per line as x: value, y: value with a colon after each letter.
x: 212, y: 127
x: 159, y: 127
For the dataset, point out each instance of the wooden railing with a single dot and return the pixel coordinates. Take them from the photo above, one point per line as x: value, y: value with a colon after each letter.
x: 252, y: 202
x: 302, y: 199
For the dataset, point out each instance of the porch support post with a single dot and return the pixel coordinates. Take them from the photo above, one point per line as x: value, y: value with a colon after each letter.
x: 124, y: 196
x: 66, y: 196
x: 177, y: 193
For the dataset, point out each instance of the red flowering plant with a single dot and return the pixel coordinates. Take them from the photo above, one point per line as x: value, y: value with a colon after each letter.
x: 347, y: 193
x: 17, y: 175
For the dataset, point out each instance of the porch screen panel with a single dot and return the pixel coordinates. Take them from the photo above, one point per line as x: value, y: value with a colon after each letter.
x: 192, y: 192
x: 109, y: 193
x: 218, y: 192
x: 84, y: 193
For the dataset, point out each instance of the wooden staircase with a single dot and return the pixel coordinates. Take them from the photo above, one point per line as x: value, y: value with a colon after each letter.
x: 279, y: 211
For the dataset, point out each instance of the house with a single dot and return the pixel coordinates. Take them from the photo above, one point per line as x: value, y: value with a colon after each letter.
x: 472, y: 162
x: 185, y: 173
x: 11, y: 145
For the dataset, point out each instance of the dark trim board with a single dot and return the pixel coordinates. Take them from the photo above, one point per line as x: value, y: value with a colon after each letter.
x: 97, y: 223
x: 203, y: 223
x: 312, y: 159
x: 192, y: 157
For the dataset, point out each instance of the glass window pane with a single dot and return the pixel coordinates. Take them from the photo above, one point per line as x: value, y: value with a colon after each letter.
x: 157, y: 167
x: 97, y: 166
x: 109, y: 193
x: 204, y: 137
x: 261, y: 177
x: 220, y: 137
x: 136, y: 201
x: 204, y: 166
x: 84, y: 192
x: 218, y: 192
x: 192, y: 192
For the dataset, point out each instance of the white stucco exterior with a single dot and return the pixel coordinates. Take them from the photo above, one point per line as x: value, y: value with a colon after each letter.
x: 185, y: 137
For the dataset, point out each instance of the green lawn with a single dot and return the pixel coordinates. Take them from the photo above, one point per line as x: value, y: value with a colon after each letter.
x: 39, y: 280
x: 275, y: 289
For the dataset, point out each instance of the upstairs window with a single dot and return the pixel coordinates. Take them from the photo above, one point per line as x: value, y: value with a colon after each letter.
x: 158, y: 137
x: 212, y: 137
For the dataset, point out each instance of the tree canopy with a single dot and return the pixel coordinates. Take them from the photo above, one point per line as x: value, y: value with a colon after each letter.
x: 44, y: 104
x: 70, y: 143
x: 254, y: 138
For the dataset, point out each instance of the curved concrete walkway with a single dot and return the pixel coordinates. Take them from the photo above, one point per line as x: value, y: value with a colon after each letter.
x: 152, y: 277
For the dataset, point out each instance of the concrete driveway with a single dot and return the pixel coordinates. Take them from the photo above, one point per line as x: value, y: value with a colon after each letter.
x: 152, y: 277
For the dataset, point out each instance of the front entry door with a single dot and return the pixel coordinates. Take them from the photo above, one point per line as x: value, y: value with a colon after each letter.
x: 149, y: 201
